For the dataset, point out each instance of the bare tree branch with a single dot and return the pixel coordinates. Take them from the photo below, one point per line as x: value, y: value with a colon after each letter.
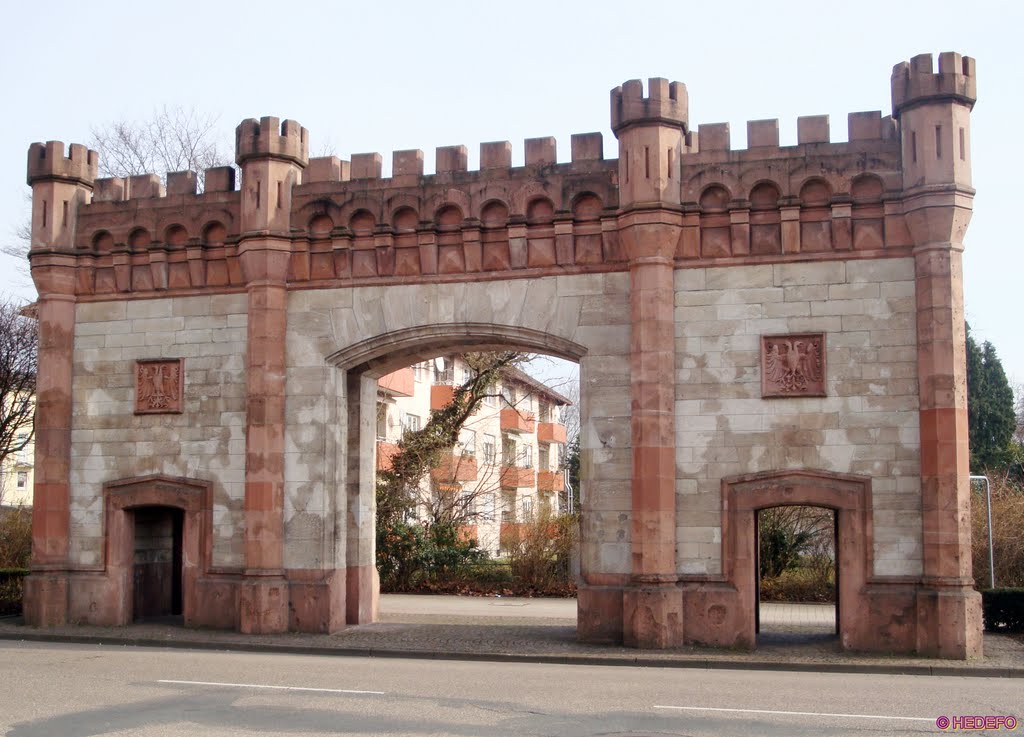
x: 18, y: 364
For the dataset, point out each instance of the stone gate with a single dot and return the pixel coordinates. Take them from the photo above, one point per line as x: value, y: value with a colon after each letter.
x: 755, y: 327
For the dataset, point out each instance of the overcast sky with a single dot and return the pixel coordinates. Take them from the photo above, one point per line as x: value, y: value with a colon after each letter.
x: 385, y: 76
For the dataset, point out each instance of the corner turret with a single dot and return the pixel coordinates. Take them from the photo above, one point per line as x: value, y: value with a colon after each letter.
x: 933, y: 111
x: 59, y: 185
x: 653, y: 134
x: 270, y: 138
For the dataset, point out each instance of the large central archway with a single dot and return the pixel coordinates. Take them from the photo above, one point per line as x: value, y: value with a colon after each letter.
x: 362, y: 365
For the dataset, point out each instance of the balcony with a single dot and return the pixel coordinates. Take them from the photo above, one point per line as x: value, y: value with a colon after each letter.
x: 512, y: 420
x: 441, y: 395
x: 454, y: 468
x: 550, y: 481
x: 385, y: 451
x: 550, y: 432
x: 514, y: 477
x: 398, y: 383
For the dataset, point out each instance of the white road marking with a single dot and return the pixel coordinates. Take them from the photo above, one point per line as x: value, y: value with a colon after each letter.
x: 795, y: 713
x: 275, y: 688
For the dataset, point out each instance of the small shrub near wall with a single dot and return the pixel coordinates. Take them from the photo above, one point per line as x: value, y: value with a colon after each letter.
x: 15, y: 552
x: 540, y: 553
x: 1007, y: 537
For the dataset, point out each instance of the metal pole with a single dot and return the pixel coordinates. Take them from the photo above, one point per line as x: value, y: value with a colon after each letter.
x: 988, y: 508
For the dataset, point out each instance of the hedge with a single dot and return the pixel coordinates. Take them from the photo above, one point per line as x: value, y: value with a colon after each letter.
x: 1003, y: 610
x: 11, y: 586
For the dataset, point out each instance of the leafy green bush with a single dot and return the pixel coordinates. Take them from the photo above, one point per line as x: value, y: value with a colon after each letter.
x: 12, y: 585
x: 540, y: 550
x: 1003, y: 610
x: 807, y: 583
x: 411, y: 555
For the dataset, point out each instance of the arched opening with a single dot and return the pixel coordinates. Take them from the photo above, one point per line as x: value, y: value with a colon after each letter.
x: 796, y: 573
x: 504, y: 470
x: 157, y: 562
x: 848, y: 496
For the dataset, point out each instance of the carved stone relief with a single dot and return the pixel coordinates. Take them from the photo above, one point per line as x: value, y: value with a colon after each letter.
x: 793, y: 365
x: 158, y: 386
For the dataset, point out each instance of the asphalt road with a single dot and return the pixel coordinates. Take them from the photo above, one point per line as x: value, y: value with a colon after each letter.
x: 53, y: 690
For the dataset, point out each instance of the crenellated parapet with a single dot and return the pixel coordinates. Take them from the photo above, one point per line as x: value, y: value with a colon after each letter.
x: 47, y: 161
x: 826, y: 196
x: 916, y: 82
x: 666, y: 103
x: 268, y: 137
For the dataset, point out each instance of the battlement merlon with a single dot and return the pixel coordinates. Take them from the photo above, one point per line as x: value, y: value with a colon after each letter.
x: 667, y: 103
x: 47, y: 161
x: 270, y: 138
x: 915, y: 82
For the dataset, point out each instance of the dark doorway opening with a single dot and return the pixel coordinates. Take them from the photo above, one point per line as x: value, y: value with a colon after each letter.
x: 797, y: 578
x: 157, y: 563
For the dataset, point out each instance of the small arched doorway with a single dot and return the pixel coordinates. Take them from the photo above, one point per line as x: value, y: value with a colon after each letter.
x: 850, y: 498
x: 158, y: 544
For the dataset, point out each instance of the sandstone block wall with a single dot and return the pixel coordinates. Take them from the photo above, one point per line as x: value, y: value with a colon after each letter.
x: 207, y: 440
x: 868, y: 423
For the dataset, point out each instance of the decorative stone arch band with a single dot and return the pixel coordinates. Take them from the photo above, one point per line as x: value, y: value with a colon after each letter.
x: 387, y: 351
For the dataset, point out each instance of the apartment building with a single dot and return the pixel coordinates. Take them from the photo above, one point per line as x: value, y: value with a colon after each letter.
x: 506, y: 467
x: 16, y: 476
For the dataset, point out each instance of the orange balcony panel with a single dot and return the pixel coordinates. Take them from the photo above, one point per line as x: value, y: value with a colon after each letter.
x: 398, y: 383
x: 512, y: 420
x: 468, y: 533
x: 454, y: 468
x: 550, y: 481
x: 441, y: 395
x: 514, y: 477
x: 550, y: 432
x: 385, y: 451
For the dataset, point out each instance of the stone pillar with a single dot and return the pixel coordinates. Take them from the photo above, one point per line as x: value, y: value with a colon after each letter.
x: 271, y: 155
x: 59, y: 186
x: 934, y: 118
x: 652, y: 133
x: 652, y: 605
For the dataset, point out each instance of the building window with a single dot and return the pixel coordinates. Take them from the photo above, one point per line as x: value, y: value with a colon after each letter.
x: 508, y: 507
x: 491, y: 399
x: 420, y: 372
x: 488, y: 448
x: 544, y: 411
x: 22, y: 479
x: 444, y: 371
x: 410, y: 423
x: 527, y: 507
x: 526, y: 457
x: 487, y: 507
x: 508, y: 393
x: 467, y: 439
x: 543, y: 458
x: 382, y: 421
x: 22, y: 440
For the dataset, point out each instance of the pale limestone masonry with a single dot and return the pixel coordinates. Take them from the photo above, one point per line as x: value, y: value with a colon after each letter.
x: 868, y: 423
x: 207, y: 440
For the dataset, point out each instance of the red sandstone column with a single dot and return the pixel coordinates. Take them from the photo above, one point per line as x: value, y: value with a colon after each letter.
x: 652, y: 139
x: 934, y: 118
x: 272, y: 156
x: 59, y: 186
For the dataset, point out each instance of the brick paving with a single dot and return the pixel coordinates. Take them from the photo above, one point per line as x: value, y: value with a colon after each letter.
x: 491, y: 630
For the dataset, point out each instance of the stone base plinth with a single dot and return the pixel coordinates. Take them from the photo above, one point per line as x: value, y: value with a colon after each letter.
x: 263, y: 605
x: 949, y: 622
x: 599, y: 614
x: 45, y: 601
x: 652, y: 617
x: 362, y: 599
x: 317, y: 601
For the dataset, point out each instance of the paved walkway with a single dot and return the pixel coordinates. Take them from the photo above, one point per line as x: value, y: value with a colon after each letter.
x: 531, y: 630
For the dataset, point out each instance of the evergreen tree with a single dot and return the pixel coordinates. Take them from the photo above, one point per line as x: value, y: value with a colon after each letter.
x: 990, y: 412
